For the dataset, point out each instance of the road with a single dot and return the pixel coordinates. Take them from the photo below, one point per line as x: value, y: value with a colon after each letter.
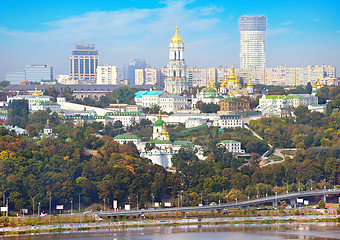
x: 240, y: 204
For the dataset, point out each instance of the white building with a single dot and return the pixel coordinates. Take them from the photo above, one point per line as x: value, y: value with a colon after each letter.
x: 122, y: 139
x: 107, y: 75
x: 253, y: 41
x: 232, y: 146
x: 148, y: 76
x: 176, y: 81
x: 171, y: 102
x: 228, y: 121
x: 273, y: 104
x: 53, y: 106
x: 194, y: 122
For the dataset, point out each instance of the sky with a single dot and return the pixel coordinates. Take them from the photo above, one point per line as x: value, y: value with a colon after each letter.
x: 299, y: 33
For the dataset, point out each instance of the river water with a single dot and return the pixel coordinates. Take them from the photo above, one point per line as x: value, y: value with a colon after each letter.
x: 324, y: 231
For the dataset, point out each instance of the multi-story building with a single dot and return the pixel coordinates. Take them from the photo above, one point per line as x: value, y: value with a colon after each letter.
x: 273, y: 104
x: 232, y: 146
x: 38, y: 72
x: 228, y: 121
x: 176, y: 81
x: 83, y: 63
x: 148, y: 76
x: 107, y: 75
x: 15, y: 77
x: 234, y: 104
x: 129, y: 70
x: 171, y: 102
x: 253, y: 41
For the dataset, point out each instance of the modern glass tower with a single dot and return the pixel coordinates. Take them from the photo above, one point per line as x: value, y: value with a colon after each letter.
x: 83, y: 63
x: 253, y: 41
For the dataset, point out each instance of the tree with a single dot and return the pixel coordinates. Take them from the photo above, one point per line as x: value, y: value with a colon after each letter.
x: 321, y: 204
x: 124, y: 94
x: 309, y: 88
x: 209, y: 108
x: 4, y: 83
x: 18, y: 112
x: 301, y: 113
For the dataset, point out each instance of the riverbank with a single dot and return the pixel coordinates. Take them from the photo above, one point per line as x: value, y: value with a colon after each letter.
x: 10, y: 231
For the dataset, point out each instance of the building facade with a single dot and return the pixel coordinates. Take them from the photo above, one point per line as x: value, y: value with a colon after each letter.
x: 148, y: 76
x: 107, y: 75
x: 253, y: 41
x: 83, y: 63
x: 38, y: 72
x: 234, y: 104
x: 176, y: 81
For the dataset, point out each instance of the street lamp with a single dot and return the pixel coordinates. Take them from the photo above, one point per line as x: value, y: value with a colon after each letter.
x: 50, y: 201
x: 7, y: 207
x: 71, y: 206
x: 104, y: 203
x: 39, y: 209
x: 79, y: 201
x: 137, y: 201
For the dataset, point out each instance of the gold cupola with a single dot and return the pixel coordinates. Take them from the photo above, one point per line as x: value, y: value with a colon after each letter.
x: 176, y: 38
x: 249, y: 84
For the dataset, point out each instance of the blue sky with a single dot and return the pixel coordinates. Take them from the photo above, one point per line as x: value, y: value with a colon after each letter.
x: 44, y: 32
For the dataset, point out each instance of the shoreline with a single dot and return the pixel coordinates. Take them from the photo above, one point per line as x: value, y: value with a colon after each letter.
x: 55, y: 228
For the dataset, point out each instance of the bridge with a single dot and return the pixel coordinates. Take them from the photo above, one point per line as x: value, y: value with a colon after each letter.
x: 274, y: 199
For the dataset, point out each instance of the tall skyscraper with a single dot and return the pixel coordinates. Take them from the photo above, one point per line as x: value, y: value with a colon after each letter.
x: 133, y: 65
x: 38, y: 72
x: 176, y: 81
x: 253, y: 41
x: 83, y: 63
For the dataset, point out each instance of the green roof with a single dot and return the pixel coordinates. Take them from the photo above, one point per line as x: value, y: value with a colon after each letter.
x: 157, y: 141
x: 229, y: 141
x: 287, y: 96
x: 3, y: 111
x: 183, y: 143
x: 131, y: 136
x: 122, y: 114
x: 233, y: 99
x: 68, y: 140
x: 158, y: 123
x: 209, y: 89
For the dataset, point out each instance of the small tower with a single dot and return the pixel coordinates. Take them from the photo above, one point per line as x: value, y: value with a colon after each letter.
x: 164, y: 135
x: 61, y: 97
x: 250, y: 88
x: 48, y: 129
x: 223, y: 87
x: 158, y: 126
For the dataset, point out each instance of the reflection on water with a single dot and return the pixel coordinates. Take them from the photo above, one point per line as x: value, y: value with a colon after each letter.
x: 324, y: 231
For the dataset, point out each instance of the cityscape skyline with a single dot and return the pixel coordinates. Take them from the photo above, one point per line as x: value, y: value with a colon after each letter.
x: 135, y: 30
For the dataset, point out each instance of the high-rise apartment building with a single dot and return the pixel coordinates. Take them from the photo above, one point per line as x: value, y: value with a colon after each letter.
x: 176, y: 81
x: 107, y: 75
x: 83, y: 63
x: 148, y: 76
x: 38, y: 72
x: 253, y: 41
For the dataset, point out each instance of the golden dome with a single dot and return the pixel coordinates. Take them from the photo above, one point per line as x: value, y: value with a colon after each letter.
x: 237, y: 92
x: 212, y: 85
x: 232, y: 77
x: 176, y: 38
x: 314, y: 85
x: 36, y: 92
x: 322, y: 84
x: 318, y: 83
x: 223, y: 85
x: 249, y: 84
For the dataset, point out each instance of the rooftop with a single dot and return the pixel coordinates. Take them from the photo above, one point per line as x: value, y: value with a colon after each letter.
x: 131, y: 136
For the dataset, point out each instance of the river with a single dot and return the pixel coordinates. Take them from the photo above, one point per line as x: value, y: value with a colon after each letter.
x: 324, y: 231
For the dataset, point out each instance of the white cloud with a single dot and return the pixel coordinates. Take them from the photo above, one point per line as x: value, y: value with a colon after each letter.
x: 123, y: 34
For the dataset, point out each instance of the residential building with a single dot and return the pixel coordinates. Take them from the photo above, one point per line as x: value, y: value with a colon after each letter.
x: 148, y: 76
x: 83, y: 63
x: 38, y: 72
x: 129, y: 73
x: 176, y: 81
x: 44, y: 105
x: 253, y: 41
x: 107, y: 75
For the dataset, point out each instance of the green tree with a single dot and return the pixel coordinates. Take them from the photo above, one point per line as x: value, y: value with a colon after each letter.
x: 18, y: 112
